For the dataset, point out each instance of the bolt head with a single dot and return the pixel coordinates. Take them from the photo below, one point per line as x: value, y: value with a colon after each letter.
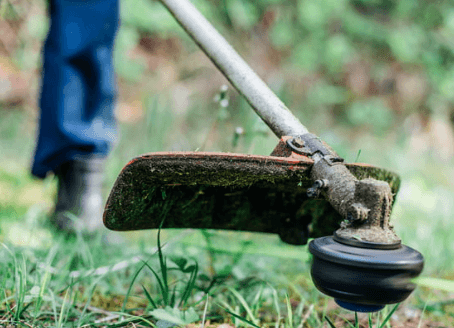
x: 312, y: 192
x: 298, y: 142
x: 318, y: 183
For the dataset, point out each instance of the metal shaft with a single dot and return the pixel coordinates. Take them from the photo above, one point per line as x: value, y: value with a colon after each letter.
x: 265, y: 103
x: 341, y: 192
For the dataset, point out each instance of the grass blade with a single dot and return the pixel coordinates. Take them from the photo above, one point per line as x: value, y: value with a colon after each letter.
x: 357, y: 156
x: 54, y: 307
x: 244, y: 304
x: 63, y: 308
x: 435, y: 283
x: 389, y: 315
x: 289, y: 311
x: 123, y: 308
x: 329, y: 322
x: 190, y: 285
x: 422, y: 315
x: 163, y: 265
x: 306, y: 316
x: 162, y: 286
x: 257, y: 301
x: 276, y: 305
x: 205, y: 312
x: 173, y: 296
x: 87, y: 303
x: 241, y: 318
x: 132, y: 319
x: 42, y: 288
x: 150, y: 299
x: 347, y: 321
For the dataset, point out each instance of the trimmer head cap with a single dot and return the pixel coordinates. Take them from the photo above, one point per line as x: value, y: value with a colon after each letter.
x: 364, y: 279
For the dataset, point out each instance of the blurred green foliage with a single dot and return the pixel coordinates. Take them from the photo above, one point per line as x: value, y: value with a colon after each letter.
x: 393, y: 56
x: 368, y: 64
x: 326, y: 39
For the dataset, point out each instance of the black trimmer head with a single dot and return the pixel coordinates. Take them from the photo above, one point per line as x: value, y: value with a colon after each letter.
x: 364, y: 277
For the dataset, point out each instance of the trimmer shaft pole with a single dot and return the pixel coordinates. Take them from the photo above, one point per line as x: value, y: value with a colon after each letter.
x: 266, y: 104
x: 367, y: 201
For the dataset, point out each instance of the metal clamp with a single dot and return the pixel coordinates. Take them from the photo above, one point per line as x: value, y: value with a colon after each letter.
x: 308, y: 144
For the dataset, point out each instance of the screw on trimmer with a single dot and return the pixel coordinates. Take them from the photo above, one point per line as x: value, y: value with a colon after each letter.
x: 270, y: 193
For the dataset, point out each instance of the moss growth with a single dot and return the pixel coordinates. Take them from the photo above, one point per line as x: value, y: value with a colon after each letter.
x: 244, y: 193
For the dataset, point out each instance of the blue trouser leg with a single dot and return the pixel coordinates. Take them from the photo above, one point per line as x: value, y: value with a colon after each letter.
x: 78, y: 86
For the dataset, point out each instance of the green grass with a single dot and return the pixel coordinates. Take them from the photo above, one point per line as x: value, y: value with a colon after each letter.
x: 243, y: 279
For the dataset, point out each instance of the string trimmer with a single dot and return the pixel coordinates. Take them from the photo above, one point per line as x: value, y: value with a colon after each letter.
x: 303, y: 189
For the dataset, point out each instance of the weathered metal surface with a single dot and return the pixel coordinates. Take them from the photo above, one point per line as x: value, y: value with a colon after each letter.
x: 224, y: 191
x: 364, y: 202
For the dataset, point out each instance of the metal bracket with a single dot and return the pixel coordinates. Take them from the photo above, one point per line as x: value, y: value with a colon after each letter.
x: 308, y: 144
x: 298, y: 146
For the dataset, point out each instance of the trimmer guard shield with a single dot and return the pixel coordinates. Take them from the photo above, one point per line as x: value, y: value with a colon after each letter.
x: 224, y: 191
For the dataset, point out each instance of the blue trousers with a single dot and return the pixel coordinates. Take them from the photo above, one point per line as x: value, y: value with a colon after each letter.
x: 78, y: 84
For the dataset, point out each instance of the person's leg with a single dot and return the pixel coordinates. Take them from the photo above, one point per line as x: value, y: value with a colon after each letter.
x: 77, y: 126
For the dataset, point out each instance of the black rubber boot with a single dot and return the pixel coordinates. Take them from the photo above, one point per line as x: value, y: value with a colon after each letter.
x: 80, y: 203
